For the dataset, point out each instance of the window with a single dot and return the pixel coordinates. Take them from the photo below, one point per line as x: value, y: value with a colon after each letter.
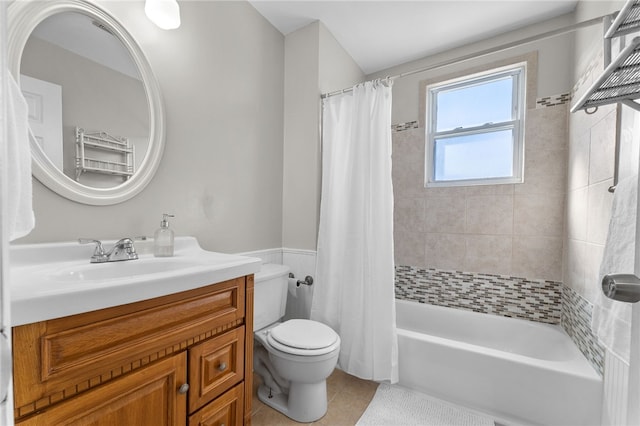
x: 475, y: 132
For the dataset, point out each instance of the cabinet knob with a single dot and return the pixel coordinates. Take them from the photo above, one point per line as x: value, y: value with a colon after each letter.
x: 222, y: 366
x: 184, y: 388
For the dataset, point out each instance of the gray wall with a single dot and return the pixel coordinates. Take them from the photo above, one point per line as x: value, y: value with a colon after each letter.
x: 554, y: 70
x: 301, y: 141
x: 513, y: 229
x: 221, y: 76
x: 315, y: 63
x: 230, y: 138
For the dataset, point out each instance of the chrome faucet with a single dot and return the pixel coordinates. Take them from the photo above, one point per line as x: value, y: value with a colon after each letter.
x: 122, y: 250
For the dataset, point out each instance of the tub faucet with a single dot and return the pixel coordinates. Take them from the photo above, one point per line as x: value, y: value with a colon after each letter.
x: 122, y: 250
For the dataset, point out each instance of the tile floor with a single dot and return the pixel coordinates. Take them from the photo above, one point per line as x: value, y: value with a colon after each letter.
x: 347, y: 398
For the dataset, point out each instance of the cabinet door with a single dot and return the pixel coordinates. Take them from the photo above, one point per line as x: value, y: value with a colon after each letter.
x: 148, y: 396
x: 224, y: 411
x: 215, y: 366
x: 59, y: 358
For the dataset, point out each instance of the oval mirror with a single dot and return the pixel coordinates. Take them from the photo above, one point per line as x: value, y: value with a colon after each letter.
x: 95, y: 110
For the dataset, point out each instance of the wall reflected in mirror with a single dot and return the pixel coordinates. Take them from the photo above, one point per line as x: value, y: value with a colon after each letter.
x: 76, y: 74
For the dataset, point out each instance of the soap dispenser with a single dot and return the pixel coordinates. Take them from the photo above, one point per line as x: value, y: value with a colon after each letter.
x: 163, y: 238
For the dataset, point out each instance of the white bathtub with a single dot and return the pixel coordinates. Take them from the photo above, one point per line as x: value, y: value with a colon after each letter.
x: 516, y: 370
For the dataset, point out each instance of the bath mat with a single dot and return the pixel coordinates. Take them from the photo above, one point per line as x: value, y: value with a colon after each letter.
x: 394, y: 405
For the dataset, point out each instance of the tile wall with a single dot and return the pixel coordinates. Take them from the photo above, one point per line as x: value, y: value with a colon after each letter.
x: 508, y: 239
x: 511, y: 230
x: 535, y: 300
x: 590, y: 174
x: 576, y: 321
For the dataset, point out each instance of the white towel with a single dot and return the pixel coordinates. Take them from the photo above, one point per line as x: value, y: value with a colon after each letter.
x: 611, y: 320
x: 20, y: 217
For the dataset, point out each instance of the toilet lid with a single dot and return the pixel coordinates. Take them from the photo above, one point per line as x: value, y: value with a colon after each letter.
x: 304, y: 334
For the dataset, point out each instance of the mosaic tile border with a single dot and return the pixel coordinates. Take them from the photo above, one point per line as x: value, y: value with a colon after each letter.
x: 404, y: 126
x: 549, y: 101
x: 576, y: 321
x: 535, y: 300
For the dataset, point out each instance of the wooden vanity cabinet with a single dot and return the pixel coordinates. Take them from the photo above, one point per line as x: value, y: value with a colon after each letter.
x: 144, y: 397
x: 226, y: 410
x: 174, y: 360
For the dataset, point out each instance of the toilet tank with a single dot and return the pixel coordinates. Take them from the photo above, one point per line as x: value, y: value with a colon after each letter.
x: 270, y: 294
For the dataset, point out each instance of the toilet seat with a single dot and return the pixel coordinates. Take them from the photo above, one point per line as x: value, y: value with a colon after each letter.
x: 303, y: 337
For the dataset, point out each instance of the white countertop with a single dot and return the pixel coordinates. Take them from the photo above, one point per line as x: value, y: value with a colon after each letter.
x: 54, y: 280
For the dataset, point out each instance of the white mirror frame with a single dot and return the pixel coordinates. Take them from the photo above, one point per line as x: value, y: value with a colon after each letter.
x: 23, y: 17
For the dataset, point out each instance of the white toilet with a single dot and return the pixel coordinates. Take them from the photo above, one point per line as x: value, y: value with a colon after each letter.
x: 293, y: 358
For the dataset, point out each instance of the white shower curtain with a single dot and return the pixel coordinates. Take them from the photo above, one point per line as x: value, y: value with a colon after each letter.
x: 355, y: 270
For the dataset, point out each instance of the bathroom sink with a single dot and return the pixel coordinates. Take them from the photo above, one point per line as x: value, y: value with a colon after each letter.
x: 120, y: 270
x: 56, y: 279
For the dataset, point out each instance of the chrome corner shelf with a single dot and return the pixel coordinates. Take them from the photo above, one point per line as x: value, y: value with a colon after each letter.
x: 627, y: 21
x: 620, y: 81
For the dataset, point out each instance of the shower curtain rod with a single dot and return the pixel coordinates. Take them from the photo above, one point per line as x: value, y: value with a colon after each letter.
x: 486, y: 52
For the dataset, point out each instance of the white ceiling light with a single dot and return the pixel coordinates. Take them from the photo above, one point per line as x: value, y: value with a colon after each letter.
x: 163, y: 13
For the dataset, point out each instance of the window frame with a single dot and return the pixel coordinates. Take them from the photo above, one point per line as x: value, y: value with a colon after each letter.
x: 518, y: 71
